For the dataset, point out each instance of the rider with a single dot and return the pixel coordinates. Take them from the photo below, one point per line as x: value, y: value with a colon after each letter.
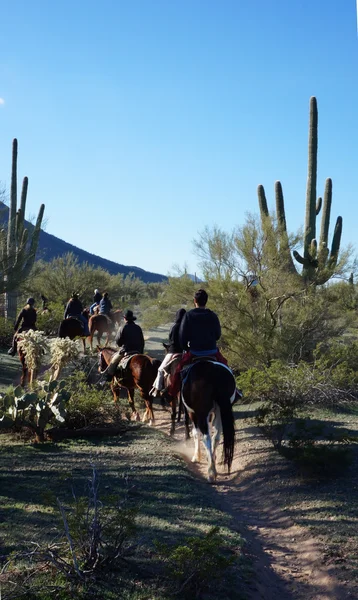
x: 74, y: 309
x: 198, y: 335
x: 105, y: 306
x: 130, y: 340
x: 96, y: 300
x: 174, y: 347
x: 27, y: 317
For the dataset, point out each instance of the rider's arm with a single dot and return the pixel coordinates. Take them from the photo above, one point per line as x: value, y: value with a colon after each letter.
x: 66, y: 310
x: 18, y: 320
x: 120, y: 337
x: 184, y: 333
x: 217, y: 328
x: 142, y: 338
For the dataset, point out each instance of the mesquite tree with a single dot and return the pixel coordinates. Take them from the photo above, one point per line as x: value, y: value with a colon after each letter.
x: 318, y: 262
x: 17, y: 245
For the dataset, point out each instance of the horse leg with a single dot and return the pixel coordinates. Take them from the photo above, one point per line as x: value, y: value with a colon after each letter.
x: 148, y: 414
x: 186, y: 424
x: 23, y: 375
x: 210, y: 455
x: 173, y: 405
x: 180, y: 407
x: 84, y: 345
x: 217, y: 429
x: 196, y: 436
x: 135, y: 413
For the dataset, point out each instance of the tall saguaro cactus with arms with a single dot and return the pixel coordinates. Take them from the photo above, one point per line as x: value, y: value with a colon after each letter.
x: 17, y: 246
x: 318, y: 262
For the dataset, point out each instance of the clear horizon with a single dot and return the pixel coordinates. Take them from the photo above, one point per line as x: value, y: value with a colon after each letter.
x: 139, y: 125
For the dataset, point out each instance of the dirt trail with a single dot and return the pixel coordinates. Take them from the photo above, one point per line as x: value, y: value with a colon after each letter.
x: 287, y: 560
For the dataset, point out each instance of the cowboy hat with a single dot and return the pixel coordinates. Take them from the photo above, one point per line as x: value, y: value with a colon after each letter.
x: 128, y: 315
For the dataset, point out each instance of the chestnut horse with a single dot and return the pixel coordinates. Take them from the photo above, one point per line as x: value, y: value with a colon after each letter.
x: 25, y: 370
x: 73, y: 328
x: 208, y: 391
x: 101, y: 324
x: 140, y: 372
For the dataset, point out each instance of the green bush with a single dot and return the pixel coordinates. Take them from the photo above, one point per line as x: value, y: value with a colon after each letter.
x: 198, y: 563
x: 49, y: 322
x: 88, y: 405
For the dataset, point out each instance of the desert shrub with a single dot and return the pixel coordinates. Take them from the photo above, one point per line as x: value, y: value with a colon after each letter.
x: 318, y: 448
x: 285, y: 391
x: 198, y: 563
x: 6, y: 332
x: 94, y: 535
x: 49, y: 322
x: 88, y: 405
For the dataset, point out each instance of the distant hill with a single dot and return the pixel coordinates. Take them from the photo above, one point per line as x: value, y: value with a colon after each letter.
x: 51, y: 247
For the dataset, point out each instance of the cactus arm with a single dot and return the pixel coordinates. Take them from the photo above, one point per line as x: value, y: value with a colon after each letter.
x: 336, y: 242
x: 262, y: 202
x: 282, y: 227
x: 318, y: 205
x: 326, y: 213
x: 34, y: 242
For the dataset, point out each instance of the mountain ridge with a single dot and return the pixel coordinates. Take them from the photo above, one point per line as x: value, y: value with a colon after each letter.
x: 51, y: 246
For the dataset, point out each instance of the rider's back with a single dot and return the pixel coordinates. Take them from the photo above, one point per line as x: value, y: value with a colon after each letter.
x: 199, y: 330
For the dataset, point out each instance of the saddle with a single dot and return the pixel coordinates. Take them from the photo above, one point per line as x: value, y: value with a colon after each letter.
x: 123, y: 364
x: 76, y: 319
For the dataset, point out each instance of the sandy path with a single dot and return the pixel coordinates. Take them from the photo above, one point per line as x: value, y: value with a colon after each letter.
x: 287, y: 560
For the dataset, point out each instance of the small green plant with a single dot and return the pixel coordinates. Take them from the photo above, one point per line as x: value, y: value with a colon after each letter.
x: 88, y: 405
x: 198, y: 563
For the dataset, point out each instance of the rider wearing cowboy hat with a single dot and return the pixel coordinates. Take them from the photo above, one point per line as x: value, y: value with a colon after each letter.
x: 130, y: 340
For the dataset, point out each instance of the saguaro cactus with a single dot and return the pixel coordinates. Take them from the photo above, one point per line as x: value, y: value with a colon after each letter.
x: 17, y: 247
x: 318, y: 263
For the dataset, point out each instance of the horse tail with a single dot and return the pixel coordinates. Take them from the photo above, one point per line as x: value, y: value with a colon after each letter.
x: 228, y: 425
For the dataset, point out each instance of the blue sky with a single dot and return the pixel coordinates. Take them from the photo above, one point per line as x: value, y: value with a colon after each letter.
x: 140, y: 123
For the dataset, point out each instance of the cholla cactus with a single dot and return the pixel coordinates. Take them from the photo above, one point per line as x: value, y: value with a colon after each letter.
x: 34, y: 345
x: 63, y: 351
x: 36, y: 409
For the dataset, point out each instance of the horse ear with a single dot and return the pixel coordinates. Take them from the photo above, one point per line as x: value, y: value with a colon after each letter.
x: 99, y: 349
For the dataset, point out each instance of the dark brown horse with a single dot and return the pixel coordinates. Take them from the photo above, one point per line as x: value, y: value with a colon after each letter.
x: 208, y: 392
x: 73, y: 328
x: 140, y: 373
x: 101, y: 324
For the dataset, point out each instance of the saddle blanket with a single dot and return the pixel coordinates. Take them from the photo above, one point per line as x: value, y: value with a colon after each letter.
x: 125, y: 360
x: 185, y: 373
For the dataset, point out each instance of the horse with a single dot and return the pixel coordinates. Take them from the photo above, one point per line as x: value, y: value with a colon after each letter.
x: 73, y: 328
x: 25, y: 370
x: 173, y: 401
x: 140, y: 372
x: 208, y: 391
x: 101, y: 324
